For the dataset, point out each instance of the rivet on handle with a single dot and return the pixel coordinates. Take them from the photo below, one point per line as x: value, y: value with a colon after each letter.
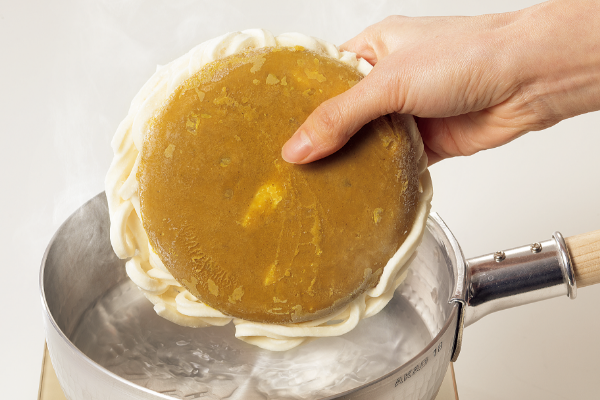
x: 499, y: 256
x: 536, y: 247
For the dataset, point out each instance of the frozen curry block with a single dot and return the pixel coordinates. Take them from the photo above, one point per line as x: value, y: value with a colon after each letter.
x: 217, y: 228
x: 250, y: 235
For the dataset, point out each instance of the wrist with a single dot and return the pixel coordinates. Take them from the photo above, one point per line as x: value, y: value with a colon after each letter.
x: 556, y: 49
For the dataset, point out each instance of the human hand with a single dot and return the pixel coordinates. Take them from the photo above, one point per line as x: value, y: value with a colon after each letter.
x: 473, y: 83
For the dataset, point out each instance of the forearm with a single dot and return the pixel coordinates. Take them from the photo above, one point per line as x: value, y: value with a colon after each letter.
x: 556, y: 52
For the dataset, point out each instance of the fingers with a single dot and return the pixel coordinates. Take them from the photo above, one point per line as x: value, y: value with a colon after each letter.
x: 437, y: 139
x: 371, y: 44
x: 361, y: 45
x: 465, y: 135
x: 381, y: 39
x: 432, y: 157
x: 335, y: 121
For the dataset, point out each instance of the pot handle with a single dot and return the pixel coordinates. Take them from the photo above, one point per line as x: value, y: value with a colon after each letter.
x: 584, y: 250
x: 531, y: 273
x: 527, y: 274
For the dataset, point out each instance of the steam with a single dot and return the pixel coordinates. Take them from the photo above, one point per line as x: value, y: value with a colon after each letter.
x: 114, y: 48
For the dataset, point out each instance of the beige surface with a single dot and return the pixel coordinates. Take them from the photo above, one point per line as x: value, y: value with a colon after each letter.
x: 50, y: 388
x: 448, y: 390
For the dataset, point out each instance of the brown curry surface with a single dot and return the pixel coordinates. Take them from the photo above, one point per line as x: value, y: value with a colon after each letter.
x: 244, y: 231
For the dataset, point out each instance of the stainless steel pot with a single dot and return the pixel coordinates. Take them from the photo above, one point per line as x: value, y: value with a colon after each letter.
x: 106, y: 342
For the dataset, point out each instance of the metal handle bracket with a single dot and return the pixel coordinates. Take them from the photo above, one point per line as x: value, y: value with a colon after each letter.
x: 515, y: 277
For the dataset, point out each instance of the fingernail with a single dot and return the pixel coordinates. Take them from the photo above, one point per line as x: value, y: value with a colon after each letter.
x: 297, y: 148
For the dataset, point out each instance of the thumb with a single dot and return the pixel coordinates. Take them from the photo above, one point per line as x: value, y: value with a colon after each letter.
x: 336, y: 120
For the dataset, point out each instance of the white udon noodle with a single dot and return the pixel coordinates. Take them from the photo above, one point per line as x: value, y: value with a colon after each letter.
x: 146, y: 270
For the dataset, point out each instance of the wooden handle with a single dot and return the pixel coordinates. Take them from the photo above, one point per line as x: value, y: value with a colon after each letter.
x: 585, y: 256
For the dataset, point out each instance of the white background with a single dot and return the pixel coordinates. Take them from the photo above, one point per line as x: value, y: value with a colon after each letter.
x: 68, y: 71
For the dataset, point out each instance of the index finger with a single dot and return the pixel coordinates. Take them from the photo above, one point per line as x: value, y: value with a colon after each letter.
x: 361, y: 45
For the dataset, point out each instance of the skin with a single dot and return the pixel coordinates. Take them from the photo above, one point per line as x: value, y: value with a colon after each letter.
x: 473, y: 83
